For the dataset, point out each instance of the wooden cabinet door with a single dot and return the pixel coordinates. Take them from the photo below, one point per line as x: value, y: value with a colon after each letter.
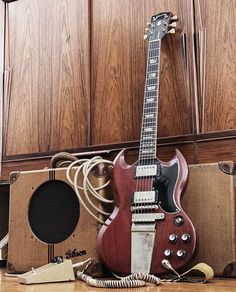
x: 118, y: 63
x: 46, y: 76
x: 216, y: 63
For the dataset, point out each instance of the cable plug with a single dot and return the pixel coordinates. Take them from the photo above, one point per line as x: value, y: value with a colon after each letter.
x: 166, y: 264
x: 82, y: 266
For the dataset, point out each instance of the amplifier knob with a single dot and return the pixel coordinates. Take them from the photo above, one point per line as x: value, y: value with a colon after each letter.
x: 168, y: 253
x: 180, y: 253
x: 179, y: 220
x: 186, y: 237
x: 172, y: 238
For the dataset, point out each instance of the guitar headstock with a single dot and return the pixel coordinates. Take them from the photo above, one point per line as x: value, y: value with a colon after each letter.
x: 160, y: 25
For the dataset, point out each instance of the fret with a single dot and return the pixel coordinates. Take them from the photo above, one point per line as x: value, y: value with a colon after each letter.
x: 149, y: 119
x: 149, y: 109
x: 152, y: 80
x: 150, y: 92
x: 147, y: 145
x: 156, y: 71
x: 153, y: 96
x: 154, y: 49
x: 146, y: 151
x: 151, y: 67
x: 143, y: 159
x: 149, y: 124
x: 154, y: 42
x: 146, y: 137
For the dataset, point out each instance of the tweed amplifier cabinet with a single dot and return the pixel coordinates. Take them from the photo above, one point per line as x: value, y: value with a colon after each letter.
x: 47, y: 220
x: 210, y: 203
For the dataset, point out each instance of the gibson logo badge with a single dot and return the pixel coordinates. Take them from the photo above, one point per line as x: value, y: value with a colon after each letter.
x: 74, y: 253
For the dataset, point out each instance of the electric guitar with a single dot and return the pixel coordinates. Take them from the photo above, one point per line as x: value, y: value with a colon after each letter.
x: 148, y: 223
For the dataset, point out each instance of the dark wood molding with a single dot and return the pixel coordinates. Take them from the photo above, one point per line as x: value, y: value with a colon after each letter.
x: 109, y: 148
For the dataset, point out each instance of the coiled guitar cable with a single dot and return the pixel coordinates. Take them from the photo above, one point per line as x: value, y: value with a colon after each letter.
x: 133, y: 280
x: 84, y: 166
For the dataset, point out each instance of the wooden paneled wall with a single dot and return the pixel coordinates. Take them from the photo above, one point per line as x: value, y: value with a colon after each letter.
x: 118, y: 70
x: 75, y: 72
x: 216, y: 59
x: 46, y: 102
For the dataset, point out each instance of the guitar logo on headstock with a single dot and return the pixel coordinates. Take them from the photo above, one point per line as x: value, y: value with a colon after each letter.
x: 160, y: 25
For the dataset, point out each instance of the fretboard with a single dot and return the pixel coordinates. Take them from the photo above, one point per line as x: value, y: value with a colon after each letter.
x: 147, y: 150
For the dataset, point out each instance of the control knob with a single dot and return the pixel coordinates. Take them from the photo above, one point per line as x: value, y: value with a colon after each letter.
x: 179, y: 220
x: 168, y: 253
x: 172, y: 238
x: 180, y: 253
x: 186, y: 237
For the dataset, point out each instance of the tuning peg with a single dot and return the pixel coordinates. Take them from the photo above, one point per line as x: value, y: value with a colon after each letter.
x: 173, y: 24
x: 148, y: 24
x: 171, y: 30
x: 146, y: 30
x: 175, y: 17
x: 145, y: 37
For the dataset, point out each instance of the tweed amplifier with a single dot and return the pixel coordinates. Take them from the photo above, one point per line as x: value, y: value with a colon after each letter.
x: 210, y: 203
x: 46, y: 220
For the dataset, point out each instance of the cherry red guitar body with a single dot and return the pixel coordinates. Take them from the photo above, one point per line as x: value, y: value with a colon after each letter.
x: 114, y: 238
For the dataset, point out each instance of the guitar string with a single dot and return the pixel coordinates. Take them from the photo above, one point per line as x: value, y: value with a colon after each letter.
x: 155, y: 52
x: 150, y: 146
x: 147, y: 110
x: 140, y: 180
x: 148, y: 95
x: 152, y: 106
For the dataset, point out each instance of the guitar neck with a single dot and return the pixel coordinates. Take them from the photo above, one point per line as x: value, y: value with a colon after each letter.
x: 148, y: 141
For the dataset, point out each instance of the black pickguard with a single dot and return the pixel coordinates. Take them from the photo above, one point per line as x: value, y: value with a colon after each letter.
x: 165, y: 184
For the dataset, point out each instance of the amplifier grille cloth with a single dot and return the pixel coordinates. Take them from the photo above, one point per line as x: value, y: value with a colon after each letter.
x: 53, y: 211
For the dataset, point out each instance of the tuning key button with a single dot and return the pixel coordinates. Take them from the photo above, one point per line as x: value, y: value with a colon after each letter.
x: 186, y: 237
x: 179, y: 220
x: 171, y: 31
x: 168, y: 253
x: 180, y: 253
x: 173, y: 238
x: 173, y: 24
x: 174, y: 17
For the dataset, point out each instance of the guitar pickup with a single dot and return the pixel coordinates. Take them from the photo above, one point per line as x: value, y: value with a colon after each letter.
x: 145, y: 197
x: 146, y: 170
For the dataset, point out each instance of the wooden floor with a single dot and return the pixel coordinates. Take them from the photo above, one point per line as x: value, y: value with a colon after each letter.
x: 10, y: 284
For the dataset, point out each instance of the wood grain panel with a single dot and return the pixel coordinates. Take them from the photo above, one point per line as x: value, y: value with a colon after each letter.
x: 47, y: 76
x: 216, y: 34
x: 2, y: 19
x: 118, y: 70
x: 215, y: 151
